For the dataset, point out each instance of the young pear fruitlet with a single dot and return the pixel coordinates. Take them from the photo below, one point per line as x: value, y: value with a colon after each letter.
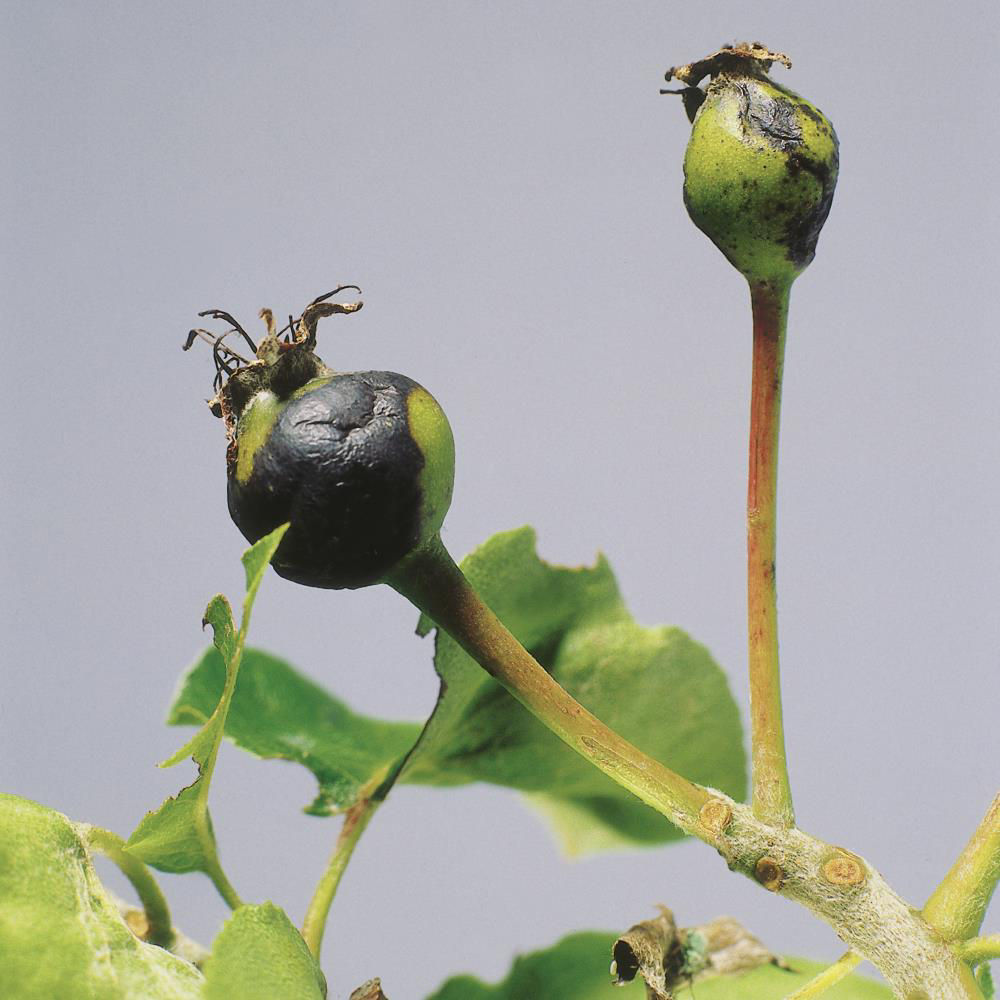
x: 360, y: 464
x: 760, y: 166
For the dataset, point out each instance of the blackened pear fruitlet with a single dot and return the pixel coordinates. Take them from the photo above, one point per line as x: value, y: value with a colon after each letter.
x: 361, y: 464
x: 761, y: 164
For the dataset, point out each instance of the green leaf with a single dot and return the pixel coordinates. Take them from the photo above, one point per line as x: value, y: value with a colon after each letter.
x: 169, y: 837
x: 259, y: 955
x: 577, y: 967
x: 178, y: 837
x: 656, y: 686
x: 61, y: 936
x: 276, y: 713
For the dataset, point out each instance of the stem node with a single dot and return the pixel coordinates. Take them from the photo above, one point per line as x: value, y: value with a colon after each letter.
x: 715, y: 815
x: 769, y: 874
x: 843, y: 869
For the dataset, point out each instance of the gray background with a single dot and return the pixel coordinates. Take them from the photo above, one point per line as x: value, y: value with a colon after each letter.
x: 504, y: 182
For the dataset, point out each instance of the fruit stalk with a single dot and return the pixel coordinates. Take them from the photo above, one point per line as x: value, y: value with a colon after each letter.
x: 772, y: 796
x: 431, y: 580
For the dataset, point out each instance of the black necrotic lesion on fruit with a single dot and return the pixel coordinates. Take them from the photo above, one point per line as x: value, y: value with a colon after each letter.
x: 341, y: 465
x: 773, y: 119
x: 802, y: 234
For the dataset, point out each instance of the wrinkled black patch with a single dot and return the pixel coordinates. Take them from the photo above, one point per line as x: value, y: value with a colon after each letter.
x: 341, y: 466
x: 802, y: 234
x: 773, y: 119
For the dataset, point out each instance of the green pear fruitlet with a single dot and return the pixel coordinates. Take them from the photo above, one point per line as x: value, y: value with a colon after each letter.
x: 761, y: 164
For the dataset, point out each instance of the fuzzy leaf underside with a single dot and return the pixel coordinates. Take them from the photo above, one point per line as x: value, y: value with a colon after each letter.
x: 61, y: 936
x: 259, y: 955
x: 577, y: 967
x: 655, y: 686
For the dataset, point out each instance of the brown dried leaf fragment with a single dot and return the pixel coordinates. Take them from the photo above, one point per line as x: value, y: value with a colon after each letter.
x: 651, y: 949
x: 668, y: 957
x: 733, y: 949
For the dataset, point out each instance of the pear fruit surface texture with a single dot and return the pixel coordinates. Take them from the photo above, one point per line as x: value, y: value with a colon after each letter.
x: 760, y: 167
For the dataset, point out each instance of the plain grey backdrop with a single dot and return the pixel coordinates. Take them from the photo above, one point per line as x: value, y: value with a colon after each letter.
x: 504, y: 181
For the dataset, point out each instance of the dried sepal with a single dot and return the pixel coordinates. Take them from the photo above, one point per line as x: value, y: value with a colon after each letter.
x: 741, y: 54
